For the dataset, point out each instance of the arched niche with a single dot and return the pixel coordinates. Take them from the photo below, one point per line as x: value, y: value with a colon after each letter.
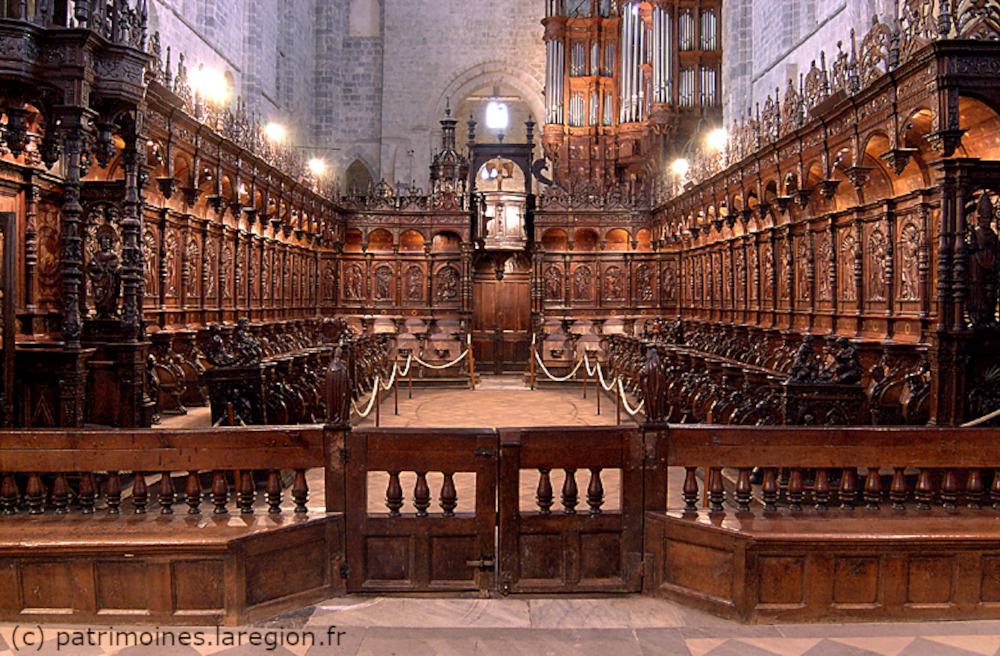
x: 380, y: 241
x: 981, y: 124
x: 358, y: 178
x: 446, y: 242
x: 411, y: 241
x: 352, y: 241
x: 617, y: 240
x: 645, y: 238
x: 585, y: 239
x: 555, y: 240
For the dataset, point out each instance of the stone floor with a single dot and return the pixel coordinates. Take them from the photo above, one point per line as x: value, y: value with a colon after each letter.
x: 418, y: 626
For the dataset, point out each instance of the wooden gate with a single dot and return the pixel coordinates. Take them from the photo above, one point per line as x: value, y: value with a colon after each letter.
x: 567, y: 535
x: 408, y: 545
x: 590, y: 544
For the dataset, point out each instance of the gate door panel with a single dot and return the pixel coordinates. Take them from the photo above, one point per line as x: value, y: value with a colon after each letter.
x: 578, y: 527
x: 413, y: 534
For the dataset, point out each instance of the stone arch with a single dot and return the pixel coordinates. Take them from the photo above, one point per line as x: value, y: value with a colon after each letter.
x: 358, y: 176
x: 485, y: 74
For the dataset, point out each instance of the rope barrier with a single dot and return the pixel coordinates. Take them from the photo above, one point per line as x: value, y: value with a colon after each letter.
x: 600, y: 374
x: 558, y: 380
x: 982, y: 420
x: 442, y: 366
x: 409, y: 361
x: 371, y: 400
x: 628, y: 409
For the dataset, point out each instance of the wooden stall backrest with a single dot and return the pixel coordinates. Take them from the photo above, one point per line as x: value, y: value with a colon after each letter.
x: 430, y: 549
x: 573, y: 549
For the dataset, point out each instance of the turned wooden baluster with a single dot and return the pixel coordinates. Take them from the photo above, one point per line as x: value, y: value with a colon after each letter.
x: 449, y: 496
x: 60, y: 494
x: 421, y: 495
x: 246, y: 493
x: 88, y: 493
x: 192, y: 493
x: 848, y: 492
x: 974, y: 489
x: 716, y: 490
x: 995, y: 489
x: 570, y: 493
x: 821, y: 490
x: 873, y: 489
x: 35, y: 494
x: 897, y: 491
x: 544, y: 493
x: 140, y: 494
x: 167, y: 494
x: 273, y: 492
x: 595, y: 492
x: 113, y: 493
x: 8, y: 495
x: 394, y: 494
x: 796, y: 490
x: 925, y: 491
x: 220, y: 492
x: 300, y: 492
x: 769, y: 489
x: 690, y: 489
x: 949, y: 489
x: 744, y: 490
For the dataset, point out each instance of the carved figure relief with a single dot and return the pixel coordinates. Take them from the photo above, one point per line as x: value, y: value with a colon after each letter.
x: 448, y: 283
x: 824, y: 255
x: 784, y: 293
x: 265, y: 274
x: 252, y: 273
x: 193, y: 265
x: 170, y: 260
x: 802, y: 272
x: 877, y: 266
x: 225, y: 274
x: 983, y: 250
x: 414, y: 283
x: 210, y: 264
x: 329, y: 282
x: 644, y: 282
x: 553, y: 283
x: 149, y: 263
x: 383, y: 283
x: 909, y: 265
x: 850, y: 283
x: 104, y: 273
x: 581, y: 283
x: 753, y: 270
x: 741, y: 274
x: 669, y: 283
x: 613, y: 288
x: 240, y: 273
x: 769, y: 272
x: 354, y: 283
x: 709, y: 279
x: 49, y: 255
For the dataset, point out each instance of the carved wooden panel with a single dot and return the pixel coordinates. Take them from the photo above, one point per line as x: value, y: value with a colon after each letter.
x: 614, y: 284
x: 553, y: 283
x: 909, y: 263
x: 171, y: 253
x: 354, y: 282
x: 447, y: 285
x: 383, y: 283
x: 644, y: 283
x: 876, y: 273
x: 583, y: 283
x: 415, y: 284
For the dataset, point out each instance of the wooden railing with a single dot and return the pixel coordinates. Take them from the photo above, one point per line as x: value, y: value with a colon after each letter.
x: 86, y: 471
x: 823, y: 468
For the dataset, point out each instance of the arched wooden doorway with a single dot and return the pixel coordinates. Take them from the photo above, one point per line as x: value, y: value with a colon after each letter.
x: 501, y: 312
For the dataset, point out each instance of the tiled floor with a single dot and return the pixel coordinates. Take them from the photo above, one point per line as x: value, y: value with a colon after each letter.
x: 624, y: 625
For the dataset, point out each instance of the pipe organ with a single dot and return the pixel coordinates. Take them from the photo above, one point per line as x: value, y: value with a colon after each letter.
x: 641, y: 79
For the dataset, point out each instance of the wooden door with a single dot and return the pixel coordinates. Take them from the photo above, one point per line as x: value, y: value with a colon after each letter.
x: 570, y: 541
x: 421, y: 546
x: 501, y: 319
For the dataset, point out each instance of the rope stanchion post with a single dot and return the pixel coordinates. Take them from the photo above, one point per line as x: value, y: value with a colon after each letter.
x: 378, y: 403
x: 395, y: 393
x: 618, y: 408
x: 531, y: 361
x: 472, y: 363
